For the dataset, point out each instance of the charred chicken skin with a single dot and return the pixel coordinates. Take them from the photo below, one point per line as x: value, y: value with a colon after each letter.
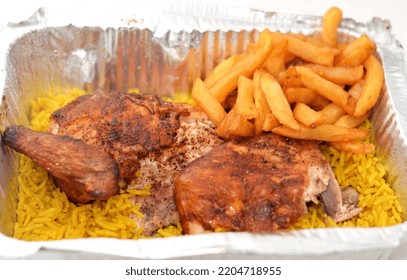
x: 149, y: 138
x: 82, y: 171
x: 127, y: 126
x: 256, y: 184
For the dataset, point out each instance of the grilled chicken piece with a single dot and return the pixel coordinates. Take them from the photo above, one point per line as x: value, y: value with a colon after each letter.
x: 82, y: 171
x: 147, y: 136
x: 127, y: 126
x: 195, y: 137
x: 257, y: 184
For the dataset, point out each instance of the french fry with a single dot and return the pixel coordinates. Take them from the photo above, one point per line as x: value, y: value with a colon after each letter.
x: 353, y: 147
x: 373, y: 85
x: 351, y: 121
x: 289, y: 57
x: 356, y: 90
x: 207, y: 102
x: 307, y: 116
x: 338, y: 75
x: 307, y: 51
x: 306, y: 96
x: 323, y: 132
x: 289, y: 78
x: 332, y: 113
x: 275, y: 62
x: 310, y: 39
x: 221, y: 69
x: 291, y: 72
x: 342, y: 46
x: 363, y: 41
x: 355, y: 58
x: 293, y: 82
x: 245, y: 67
x: 260, y: 103
x: 235, y: 125
x: 230, y: 101
x: 327, y: 89
x: 270, y: 122
x: 277, y: 101
x: 330, y: 22
x: 244, y: 102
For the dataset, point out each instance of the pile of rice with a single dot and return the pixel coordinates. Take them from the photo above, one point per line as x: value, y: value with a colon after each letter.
x: 381, y: 206
x: 45, y: 213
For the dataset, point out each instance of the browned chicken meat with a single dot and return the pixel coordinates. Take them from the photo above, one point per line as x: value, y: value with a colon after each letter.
x: 127, y: 126
x: 195, y: 137
x: 82, y: 171
x: 256, y: 184
x: 150, y: 139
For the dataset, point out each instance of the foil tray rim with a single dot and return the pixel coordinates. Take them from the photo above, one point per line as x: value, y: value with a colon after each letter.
x: 219, y: 243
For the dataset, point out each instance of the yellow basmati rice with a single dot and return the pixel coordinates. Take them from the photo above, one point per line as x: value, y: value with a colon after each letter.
x: 45, y: 213
x: 367, y: 175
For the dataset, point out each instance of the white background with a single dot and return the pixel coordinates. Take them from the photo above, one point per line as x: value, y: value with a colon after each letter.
x: 360, y: 10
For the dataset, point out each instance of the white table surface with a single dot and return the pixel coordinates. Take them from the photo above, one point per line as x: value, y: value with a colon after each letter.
x: 359, y: 10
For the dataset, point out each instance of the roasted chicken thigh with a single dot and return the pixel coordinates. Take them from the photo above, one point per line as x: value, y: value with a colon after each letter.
x: 256, y: 184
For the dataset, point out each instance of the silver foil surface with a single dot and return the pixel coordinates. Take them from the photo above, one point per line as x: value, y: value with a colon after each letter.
x: 162, y: 50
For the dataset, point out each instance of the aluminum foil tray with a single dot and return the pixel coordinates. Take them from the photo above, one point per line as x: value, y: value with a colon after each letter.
x: 162, y: 50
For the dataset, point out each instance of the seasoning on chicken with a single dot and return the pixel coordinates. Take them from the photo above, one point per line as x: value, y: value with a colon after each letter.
x: 257, y: 184
x: 195, y: 137
x: 82, y: 171
x: 150, y: 139
x: 127, y: 126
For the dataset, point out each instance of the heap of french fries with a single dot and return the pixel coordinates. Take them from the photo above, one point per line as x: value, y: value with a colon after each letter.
x: 302, y: 87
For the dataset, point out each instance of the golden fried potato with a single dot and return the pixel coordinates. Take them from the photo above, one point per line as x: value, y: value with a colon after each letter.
x: 323, y: 132
x: 270, y: 122
x: 332, y: 113
x: 373, y: 86
x: 207, y: 102
x: 355, y: 58
x: 356, y: 52
x: 306, y: 50
x: 330, y: 22
x: 221, y: 69
x: 351, y: 121
x: 260, y: 103
x: 277, y: 101
x: 235, y: 125
x: 306, y: 96
x: 275, y: 62
x: 338, y: 75
x: 244, y: 102
x: 245, y: 67
x: 353, y: 147
x: 327, y: 89
x: 307, y: 116
x: 315, y: 40
x: 356, y: 90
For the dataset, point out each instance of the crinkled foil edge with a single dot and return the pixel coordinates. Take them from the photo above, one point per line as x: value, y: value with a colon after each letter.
x: 315, y: 243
